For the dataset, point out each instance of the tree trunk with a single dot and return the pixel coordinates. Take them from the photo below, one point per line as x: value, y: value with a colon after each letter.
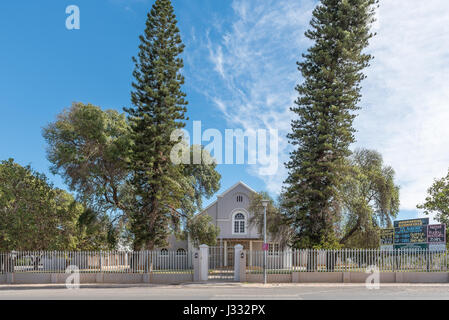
x: 350, y: 233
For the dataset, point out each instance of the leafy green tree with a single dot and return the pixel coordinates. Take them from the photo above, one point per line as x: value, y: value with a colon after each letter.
x: 437, y: 200
x: 89, y: 147
x: 163, y: 190
x: 202, y: 231
x: 96, y: 231
x: 277, y: 228
x: 36, y: 216
x: 370, y: 199
x: 323, y: 131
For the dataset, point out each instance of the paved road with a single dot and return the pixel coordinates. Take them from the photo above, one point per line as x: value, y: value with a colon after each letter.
x: 227, y: 291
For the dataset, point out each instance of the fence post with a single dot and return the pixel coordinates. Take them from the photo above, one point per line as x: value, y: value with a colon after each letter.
x: 201, y: 263
x: 287, y: 259
x: 239, y: 263
x: 225, y: 254
x: 101, y: 261
x: 99, y: 277
x: 9, y: 266
x: 196, y: 265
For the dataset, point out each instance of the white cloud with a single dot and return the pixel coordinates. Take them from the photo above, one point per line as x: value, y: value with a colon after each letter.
x: 256, y: 60
x: 405, y: 105
x: 405, y: 111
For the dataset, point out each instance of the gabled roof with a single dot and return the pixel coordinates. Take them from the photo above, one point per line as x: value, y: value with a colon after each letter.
x: 235, y: 186
x: 227, y: 191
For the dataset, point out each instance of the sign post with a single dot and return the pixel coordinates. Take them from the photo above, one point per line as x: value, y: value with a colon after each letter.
x: 265, y: 245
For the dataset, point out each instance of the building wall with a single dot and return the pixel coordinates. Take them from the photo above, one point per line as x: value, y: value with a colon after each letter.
x: 222, y: 212
x: 226, y: 207
x: 176, y: 244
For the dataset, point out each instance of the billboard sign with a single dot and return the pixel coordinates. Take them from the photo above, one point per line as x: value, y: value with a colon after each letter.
x: 436, y: 233
x: 410, y: 235
x: 386, y: 237
x: 414, y: 233
x: 411, y: 223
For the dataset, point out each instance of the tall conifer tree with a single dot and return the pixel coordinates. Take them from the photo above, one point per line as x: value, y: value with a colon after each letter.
x: 323, y: 130
x: 159, y: 107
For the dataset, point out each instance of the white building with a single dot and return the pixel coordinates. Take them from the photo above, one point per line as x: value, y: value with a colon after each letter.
x: 230, y: 213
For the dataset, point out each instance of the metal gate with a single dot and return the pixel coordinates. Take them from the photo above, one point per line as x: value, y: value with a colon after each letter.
x: 221, y: 264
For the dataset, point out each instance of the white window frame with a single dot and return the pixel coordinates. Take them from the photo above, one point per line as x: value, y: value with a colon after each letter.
x: 245, y: 222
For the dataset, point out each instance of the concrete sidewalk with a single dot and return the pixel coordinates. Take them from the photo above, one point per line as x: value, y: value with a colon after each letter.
x: 211, y: 284
x: 225, y: 291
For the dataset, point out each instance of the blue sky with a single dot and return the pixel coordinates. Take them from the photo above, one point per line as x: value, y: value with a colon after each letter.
x: 240, y: 73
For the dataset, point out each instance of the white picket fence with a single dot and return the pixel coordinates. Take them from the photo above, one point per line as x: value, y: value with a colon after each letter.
x: 278, y: 262
x: 348, y: 260
x: 160, y: 261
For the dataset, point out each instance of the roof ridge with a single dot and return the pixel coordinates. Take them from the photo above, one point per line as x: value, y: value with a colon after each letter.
x: 226, y: 191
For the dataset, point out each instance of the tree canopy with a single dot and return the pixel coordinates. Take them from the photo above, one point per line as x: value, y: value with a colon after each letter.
x: 437, y: 200
x: 202, y: 231
x: 36, y: 216
x: 278, y: 230
x: 90, y: 148
x: 370, y: 199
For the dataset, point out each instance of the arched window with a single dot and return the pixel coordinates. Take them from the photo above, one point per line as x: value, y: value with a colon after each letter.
x: 239, y: 223
x: 164, y: 252
x: 180, y: 252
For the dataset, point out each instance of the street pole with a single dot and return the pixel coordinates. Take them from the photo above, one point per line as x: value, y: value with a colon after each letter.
x: 265, y: 203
